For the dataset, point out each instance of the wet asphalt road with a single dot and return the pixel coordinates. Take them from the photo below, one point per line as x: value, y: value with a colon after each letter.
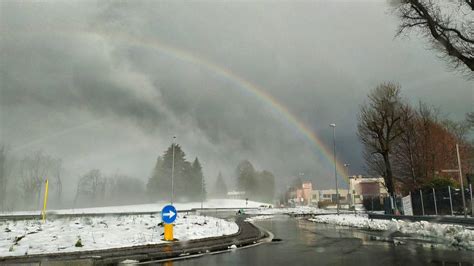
x: 308, y: 243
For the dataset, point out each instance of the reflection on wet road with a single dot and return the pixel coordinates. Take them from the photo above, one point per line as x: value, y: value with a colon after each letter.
x: 308, y: 243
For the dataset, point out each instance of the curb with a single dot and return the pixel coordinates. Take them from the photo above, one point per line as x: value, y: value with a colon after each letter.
x: 248, y: 234
x: 53, y: 214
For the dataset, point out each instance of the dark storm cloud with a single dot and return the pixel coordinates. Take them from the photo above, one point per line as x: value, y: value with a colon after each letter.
x: 69, y: 64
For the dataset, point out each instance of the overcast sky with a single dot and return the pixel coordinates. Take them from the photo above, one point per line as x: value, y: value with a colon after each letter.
x: 107, y: 84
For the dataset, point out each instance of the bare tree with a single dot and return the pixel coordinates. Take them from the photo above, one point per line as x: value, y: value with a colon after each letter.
x: 427, y: 146
x: 123, y: 189
x: 56, y: 169
x: 427, y: 119
x: 405, y: 150
x: 91, y: 187
x: 34, y: 170
x: 379, y: 128
x: 448, y: 25
x: 470, y: 119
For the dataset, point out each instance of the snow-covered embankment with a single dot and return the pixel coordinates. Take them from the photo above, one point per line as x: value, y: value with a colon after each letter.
x: 451, y: 234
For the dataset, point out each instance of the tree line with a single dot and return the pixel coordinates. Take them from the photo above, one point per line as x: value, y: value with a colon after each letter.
x: 189, y: 183
x: 97, y: 189
x: 257, y: 185
x: 22, y: 184
x: 408, y: 145
x: 22, y: 179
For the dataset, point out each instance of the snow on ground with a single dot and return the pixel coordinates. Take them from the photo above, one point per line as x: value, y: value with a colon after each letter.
x: 152, y: 207
x: 61, y: 235
x: 295, y: 210
x: 454, y: 235
x: 258, y: 218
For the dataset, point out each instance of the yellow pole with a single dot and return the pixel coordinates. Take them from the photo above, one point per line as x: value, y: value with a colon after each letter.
x: 45, y: 200
x: 169, y: 232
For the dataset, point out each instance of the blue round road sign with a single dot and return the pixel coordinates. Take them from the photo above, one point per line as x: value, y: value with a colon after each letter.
x: 168, y: 214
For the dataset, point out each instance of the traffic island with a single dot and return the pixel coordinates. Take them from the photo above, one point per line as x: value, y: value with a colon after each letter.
x: 247, y: 234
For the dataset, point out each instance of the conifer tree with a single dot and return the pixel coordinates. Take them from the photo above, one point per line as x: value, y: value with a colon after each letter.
x: 199, y: 187
x: 220, y: 189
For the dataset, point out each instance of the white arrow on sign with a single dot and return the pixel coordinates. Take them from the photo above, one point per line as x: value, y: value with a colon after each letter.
x: 169, y: 214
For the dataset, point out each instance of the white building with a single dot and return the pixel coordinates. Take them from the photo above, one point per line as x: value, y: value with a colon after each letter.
x: 236, y: 195
x: 330, y: 195
x: 361, y: 187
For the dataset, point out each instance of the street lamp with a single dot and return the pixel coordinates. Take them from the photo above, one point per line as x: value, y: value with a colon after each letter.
x: 172, y: 172
x: 335, y: 165
x: 202, y: 192
x: 460, y: 178
x: 347, y: 167
x: 349, y: 181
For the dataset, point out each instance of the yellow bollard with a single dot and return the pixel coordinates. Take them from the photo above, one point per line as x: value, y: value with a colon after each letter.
x: 169, y: 232
x: 45, y: 201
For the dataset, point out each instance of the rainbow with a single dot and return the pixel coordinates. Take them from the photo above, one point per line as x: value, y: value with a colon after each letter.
x: 246, y: 86
x: 249, y: 87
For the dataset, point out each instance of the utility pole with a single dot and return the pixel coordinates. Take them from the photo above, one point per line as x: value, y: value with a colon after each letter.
x: 172, y: 172
x: 335, y: 165
x: 462, y: 183
x: 202, y: 192
x: 459, y: 171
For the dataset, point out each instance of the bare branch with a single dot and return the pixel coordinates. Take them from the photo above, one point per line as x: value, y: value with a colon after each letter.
x: 450, y: 32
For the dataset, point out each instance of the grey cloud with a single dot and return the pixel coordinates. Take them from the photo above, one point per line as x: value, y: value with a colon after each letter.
x: 70, y: 63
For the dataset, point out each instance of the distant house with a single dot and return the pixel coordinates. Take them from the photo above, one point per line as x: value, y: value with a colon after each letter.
x: 330, y: 196
x: 307, y: 192
x: 236, y: 195
x: 300, y: 195
x: 361, y: 187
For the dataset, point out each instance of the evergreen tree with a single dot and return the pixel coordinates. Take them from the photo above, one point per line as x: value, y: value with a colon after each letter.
x: 220, y: 189
x: 160, y: 185
x: 157, y: 184
x: 258, y: 186
x: 246, y: 179
x: 266, y: 186
x: 197, y: 182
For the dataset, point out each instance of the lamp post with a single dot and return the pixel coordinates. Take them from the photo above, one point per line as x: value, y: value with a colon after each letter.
x: 346, y: 165
x: 335, y: 165
x: 459, y: 170
x: 172, y: 171
x: 349, y: 181
x: 202, y: 192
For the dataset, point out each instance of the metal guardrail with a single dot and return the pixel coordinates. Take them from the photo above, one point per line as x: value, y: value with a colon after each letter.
x: 416, y: 218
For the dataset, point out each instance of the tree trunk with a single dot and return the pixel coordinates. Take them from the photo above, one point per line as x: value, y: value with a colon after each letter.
x: 389, y: 174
